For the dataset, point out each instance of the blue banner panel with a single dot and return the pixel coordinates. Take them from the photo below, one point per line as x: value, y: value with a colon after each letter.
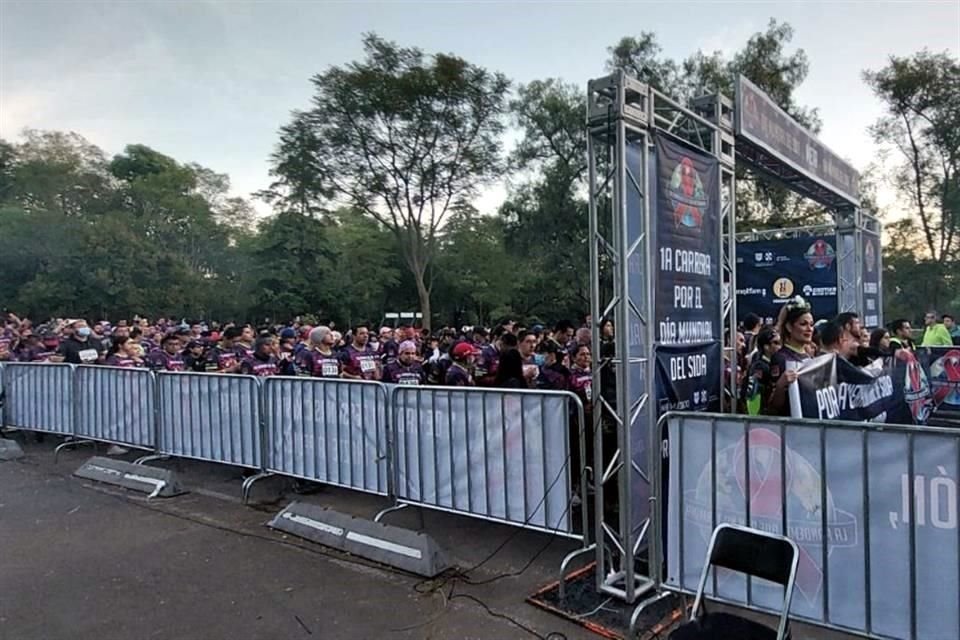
x: 771, y: 272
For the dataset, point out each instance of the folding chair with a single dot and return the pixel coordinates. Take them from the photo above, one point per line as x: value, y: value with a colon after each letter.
x: 754, y: 553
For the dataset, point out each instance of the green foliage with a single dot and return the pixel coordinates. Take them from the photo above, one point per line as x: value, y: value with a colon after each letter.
x: 400, y: 136
x: 921, y: 127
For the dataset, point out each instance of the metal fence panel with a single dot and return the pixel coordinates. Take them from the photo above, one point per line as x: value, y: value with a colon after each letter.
x: 116, y: 405
x: 210, y: 417
x: 39, y: 397
x: 330, y: 431
x: 873, y: 510
x: 496, y: 454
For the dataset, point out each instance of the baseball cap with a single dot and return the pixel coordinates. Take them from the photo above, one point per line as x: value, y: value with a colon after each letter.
x: 288, y: 333
x: 463, y: 349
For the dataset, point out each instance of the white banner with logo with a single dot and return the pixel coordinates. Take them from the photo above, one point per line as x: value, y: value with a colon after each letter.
x: 883, y: 500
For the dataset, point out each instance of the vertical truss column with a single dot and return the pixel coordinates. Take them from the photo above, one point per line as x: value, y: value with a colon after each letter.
x: 621, y: 291
x: 849, y: 262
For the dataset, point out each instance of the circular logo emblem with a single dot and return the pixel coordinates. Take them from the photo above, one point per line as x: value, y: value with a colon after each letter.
x: 820, y: 255
x: 870, y: 256
x: 783, y: 288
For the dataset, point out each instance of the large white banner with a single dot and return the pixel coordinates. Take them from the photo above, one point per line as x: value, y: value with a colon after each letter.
x: 872, y: 559
x: 497, y: 454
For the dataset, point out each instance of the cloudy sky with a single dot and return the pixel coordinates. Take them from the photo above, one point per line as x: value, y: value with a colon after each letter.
x: 211, y: 82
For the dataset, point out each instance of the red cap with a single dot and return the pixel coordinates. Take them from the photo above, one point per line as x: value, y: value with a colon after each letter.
x: 464, y: 349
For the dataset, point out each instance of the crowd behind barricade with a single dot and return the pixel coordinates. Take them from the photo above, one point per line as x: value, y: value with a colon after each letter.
x: 508, y: 356
x: 767, y: 355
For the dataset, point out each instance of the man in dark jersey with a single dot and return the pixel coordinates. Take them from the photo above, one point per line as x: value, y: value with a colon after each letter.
x: 358, y: 359
x: 167, y: 357
x: 489, y: 358
x: 194, y: 357
x: 406, y: 369
x: 458, y: 373
x: 265, y: 360
x: 390, y: 344
x: 318, y: 359
x: 226, y: 357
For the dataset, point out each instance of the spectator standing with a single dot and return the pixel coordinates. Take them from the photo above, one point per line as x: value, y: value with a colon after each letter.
x: 359, y: 360
x: 935, y: 334
x: 405, y: 369
x: 510, y: 374
x: 267, y: 360
x: 951, y: 326
x: 459, y: 374
x: 167, y: 357
x: 319, y: 359
x: 124, y: 353
x: 78, y: 349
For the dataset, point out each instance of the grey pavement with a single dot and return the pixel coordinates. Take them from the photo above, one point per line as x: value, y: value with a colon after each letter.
x: 83, y: 560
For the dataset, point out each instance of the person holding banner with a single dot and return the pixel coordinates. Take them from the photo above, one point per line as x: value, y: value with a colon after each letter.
x: 837, y: 339
x: 902, y: 337
x: 795, y: 327
x: 763, y: 372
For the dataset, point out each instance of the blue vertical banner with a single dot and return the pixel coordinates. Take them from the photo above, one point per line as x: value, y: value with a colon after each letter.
x: 771, y: 272
x: 687, y: 276
x: 872, y: 265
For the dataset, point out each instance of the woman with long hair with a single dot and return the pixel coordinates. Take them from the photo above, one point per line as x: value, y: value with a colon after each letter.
x: 795, y: 327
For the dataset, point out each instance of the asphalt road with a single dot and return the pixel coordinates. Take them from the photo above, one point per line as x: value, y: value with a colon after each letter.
x: 80, y: 560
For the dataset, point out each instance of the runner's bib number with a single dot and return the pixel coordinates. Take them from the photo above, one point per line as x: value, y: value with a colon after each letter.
x: 329, y: 368
x: 367, y: 364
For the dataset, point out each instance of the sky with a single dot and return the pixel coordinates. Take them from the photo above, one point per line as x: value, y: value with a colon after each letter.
x: 211, y: 82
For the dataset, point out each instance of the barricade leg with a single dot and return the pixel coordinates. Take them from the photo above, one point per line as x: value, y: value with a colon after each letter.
x: 69, y: 443
x: 570, y: 557
x: 153, y: 457
x: 249, y: 482
x: 396, y: 507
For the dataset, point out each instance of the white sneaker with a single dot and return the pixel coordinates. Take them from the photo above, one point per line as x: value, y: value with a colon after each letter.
x: 116, y: 450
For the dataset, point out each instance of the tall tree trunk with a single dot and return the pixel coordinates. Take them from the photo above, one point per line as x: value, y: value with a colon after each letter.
x: 423, y: 293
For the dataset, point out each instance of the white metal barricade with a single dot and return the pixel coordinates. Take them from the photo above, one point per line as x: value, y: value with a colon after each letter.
x: 328, y: 430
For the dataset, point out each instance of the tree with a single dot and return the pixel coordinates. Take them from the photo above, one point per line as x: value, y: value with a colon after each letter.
x: 921, y: 125
x: 475, y: 272
x: 402, y: 137
x: 545, y: 218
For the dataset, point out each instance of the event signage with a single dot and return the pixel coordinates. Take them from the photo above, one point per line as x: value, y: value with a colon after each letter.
x: 909, y: 388
x: 772, y: 272
x: 687, y: 277
x: 870, y: 275
x: 762, y: 122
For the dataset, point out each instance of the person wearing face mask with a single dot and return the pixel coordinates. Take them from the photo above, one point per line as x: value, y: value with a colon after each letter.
x: 553, y: 374
x: 78, y: 349
x: 406, y: 369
